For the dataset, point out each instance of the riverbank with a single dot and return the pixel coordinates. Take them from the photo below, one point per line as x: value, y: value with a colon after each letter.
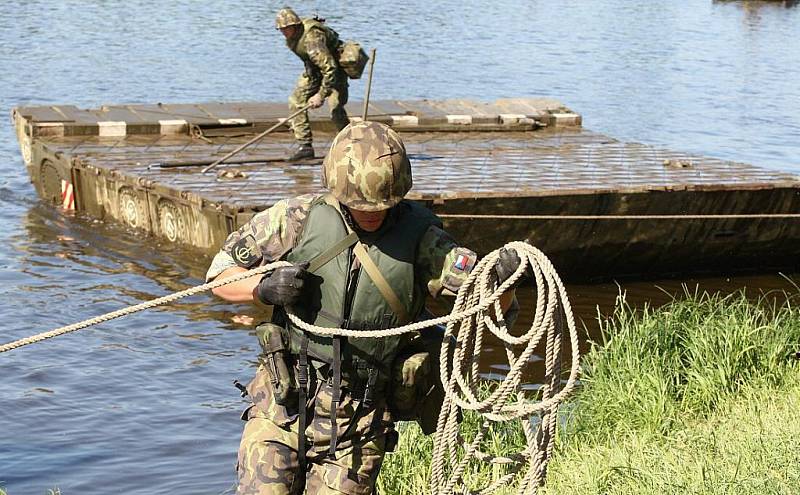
x: 699, y: 396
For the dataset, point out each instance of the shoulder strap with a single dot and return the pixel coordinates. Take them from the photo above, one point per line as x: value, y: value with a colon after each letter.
x: 332, y: 252
x: 380, y: 282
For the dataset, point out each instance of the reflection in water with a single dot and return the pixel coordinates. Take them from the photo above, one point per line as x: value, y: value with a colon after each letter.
x: 753, y: 9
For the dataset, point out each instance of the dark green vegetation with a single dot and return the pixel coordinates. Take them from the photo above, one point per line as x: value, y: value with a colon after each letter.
x: 701, y: 396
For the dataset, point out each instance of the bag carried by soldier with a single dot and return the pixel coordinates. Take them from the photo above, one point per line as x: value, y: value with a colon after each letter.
x: 279, y: 364
x: 416, y: 392
x: 352, y: 59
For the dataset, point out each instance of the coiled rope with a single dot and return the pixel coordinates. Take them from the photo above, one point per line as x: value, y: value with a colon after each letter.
x: 476, y: 311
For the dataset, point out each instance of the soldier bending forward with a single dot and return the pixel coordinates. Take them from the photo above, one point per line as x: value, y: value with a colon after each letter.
x: 317, y: 45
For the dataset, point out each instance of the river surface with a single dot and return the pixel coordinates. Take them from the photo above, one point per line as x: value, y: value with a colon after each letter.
x: 145, y: 404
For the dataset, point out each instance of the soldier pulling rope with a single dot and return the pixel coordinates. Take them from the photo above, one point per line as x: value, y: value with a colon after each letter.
x: 348, y: 272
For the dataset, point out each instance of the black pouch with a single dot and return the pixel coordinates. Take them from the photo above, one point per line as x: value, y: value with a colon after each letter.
x: 392, y: 437
x: 279, y: 364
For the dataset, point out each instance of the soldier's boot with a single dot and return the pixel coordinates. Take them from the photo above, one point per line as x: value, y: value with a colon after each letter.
x: 302, y: 152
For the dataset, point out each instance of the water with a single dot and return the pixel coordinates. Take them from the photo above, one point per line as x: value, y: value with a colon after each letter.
x: 144, y: 404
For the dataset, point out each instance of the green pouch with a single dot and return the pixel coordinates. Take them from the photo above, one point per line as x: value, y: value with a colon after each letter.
x: 279, y: 363
x: 416, y: 394
x: 352, y: 59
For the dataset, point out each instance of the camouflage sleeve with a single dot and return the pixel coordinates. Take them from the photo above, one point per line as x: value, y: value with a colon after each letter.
x: 324, y: 60
x: 267, y: 237
x: 443, y: 264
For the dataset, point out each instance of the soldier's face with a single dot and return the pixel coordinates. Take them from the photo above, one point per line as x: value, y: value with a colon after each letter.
x: 289, y: 32
x: 369, y: 221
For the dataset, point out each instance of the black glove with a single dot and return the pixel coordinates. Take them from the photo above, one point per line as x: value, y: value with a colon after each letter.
x: 283, y: 286
x: 507, y: 263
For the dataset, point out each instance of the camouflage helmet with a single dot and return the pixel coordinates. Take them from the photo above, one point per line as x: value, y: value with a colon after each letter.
x: 367, y: 167
x: 286, y: 17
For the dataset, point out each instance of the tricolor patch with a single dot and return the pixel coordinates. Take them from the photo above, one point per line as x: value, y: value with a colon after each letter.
x: 464, y: 260
x: 67, y: 195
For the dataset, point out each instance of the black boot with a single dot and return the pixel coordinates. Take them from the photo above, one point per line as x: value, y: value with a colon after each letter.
x: 302, y: 152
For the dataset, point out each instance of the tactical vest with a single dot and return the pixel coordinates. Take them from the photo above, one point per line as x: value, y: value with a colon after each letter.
x: 331, y: 40
x: 345, y: 298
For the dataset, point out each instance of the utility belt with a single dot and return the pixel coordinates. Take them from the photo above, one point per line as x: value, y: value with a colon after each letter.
x: 363, y: 381
x: 363, y: 384
x: 291, y: 377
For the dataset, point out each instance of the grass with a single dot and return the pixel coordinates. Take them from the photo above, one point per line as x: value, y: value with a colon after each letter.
x: 407, y: 470
x: 696, y: 397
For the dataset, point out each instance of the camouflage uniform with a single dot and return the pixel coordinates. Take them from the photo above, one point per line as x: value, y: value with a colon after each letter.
x: 344, y: 440
x: 276, y: 230
x: 317, y: 46
x: 268, y: 461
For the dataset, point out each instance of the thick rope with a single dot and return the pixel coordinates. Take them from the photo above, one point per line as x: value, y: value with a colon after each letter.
x: 139, y: 307
x: 452, y: 454
x: 476, y: 301
x: 475, y: 312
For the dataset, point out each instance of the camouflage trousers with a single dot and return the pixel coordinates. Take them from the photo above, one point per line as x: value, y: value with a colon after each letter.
x: 268, y: 460
x: 306, y: 87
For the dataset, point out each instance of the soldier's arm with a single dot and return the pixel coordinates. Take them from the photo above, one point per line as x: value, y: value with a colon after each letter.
x: 266, y: 238
x: 446, y: 265
x: 324, y: 60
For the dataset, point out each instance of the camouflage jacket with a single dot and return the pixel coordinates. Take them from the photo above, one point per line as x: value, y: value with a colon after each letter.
x: 318, y: 47
x: 440, y: 264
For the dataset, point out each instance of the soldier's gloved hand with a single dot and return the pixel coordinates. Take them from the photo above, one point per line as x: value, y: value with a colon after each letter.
x: 283, y: 286
x: 507, y: 263
x: 316, y: 101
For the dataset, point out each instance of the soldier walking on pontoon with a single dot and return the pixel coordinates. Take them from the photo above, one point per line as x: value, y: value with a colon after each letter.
x: 318, y: 46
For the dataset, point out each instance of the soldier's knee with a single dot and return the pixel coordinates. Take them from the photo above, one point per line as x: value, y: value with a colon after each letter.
x: 330, y: 479
x: 267, y: 468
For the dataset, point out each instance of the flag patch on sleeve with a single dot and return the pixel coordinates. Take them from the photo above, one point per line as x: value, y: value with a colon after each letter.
x: 464, y: 260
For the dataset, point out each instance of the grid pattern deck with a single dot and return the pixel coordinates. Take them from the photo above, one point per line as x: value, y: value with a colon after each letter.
x: 445, y: 166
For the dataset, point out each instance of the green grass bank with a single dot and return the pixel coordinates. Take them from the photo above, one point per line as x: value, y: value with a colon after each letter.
x: 700, y: 396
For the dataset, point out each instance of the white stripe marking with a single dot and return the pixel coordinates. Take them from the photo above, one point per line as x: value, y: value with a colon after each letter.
x: 405, y: 120
x: 111, y: 128
x: 232, y: 121
x: 459, y: 119
x: 67, y: 196
x: 512, y: 118
x: 173, y: 126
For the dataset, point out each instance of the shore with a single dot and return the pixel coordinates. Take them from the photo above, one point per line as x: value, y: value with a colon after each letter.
x: 699, y: 396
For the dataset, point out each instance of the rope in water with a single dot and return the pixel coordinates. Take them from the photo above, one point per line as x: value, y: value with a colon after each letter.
x: 476, y: 311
